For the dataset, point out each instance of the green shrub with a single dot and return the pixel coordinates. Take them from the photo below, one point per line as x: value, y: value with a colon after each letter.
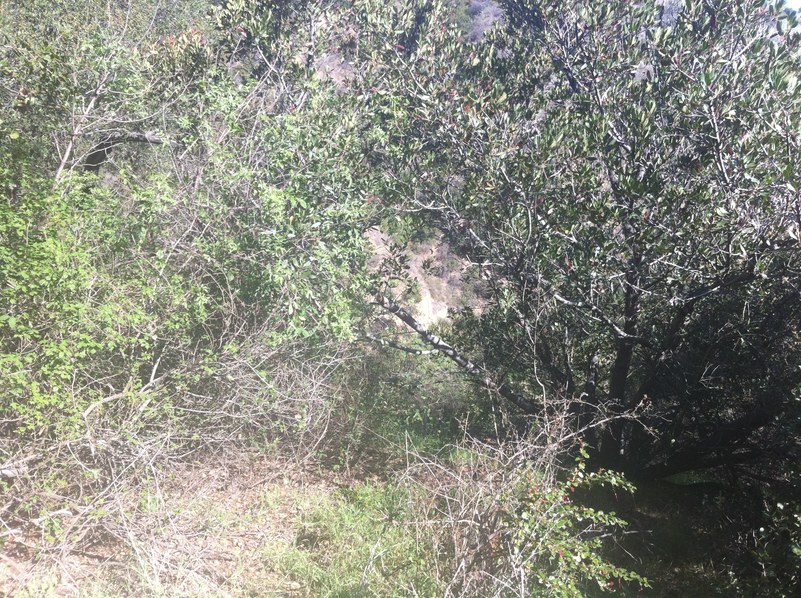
x: 560, y: 542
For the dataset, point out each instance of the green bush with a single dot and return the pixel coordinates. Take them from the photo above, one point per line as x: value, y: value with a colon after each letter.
x: 560, y: 541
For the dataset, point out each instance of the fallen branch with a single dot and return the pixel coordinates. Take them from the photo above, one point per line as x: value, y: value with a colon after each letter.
x: 463, y: 362
x: 15, y: 469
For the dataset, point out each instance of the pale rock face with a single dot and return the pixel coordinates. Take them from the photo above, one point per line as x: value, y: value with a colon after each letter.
x: 333, y: 67
x: 439, y: 289
x: 670, y: 11
x: 483, y: 14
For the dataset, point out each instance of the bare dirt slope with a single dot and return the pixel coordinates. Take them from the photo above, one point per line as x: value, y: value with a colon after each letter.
x: 438, y: 274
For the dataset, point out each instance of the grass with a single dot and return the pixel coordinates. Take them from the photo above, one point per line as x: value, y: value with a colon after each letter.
x: 359, y: 542
x: 212, y: 533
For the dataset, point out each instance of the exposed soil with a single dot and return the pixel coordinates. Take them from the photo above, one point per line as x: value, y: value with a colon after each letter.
x: 207, y: 528
x: 438, y: 289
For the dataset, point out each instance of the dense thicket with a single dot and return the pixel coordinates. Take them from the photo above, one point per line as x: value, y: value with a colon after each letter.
x: 183, y: 262
x: 625, y: 175
x: 161, y: 217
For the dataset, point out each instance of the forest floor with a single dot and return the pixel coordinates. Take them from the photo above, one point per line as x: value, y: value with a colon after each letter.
x: 239, y: 526
x: 209, y: 528
x: 687, y: 539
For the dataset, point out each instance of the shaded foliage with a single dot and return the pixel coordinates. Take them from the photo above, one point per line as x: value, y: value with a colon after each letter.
x: 627, y: 183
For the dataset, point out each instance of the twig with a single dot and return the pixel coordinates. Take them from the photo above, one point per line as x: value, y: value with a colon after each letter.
x: 153, y: 382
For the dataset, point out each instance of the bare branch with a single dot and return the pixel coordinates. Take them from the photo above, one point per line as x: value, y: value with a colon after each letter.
x: 390, y: 343
x: 463, y: 362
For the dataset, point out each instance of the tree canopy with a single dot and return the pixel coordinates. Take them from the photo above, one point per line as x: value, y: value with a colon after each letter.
x: 626, y: 177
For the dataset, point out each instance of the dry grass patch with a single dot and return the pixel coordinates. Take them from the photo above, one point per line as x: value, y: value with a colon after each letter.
x: 206, y: 528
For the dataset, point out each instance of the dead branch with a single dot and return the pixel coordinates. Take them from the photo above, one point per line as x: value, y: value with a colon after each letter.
x: 475, y: 370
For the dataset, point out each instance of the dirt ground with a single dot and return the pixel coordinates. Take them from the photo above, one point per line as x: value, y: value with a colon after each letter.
x: 212, y: 528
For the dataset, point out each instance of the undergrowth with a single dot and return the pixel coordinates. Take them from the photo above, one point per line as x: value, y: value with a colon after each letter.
x: 359, y: 543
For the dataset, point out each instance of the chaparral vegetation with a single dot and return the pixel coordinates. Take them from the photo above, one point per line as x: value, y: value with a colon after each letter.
x: 400, y: 298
